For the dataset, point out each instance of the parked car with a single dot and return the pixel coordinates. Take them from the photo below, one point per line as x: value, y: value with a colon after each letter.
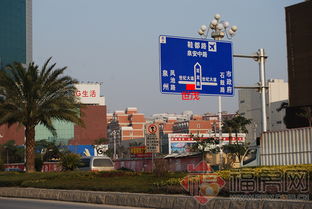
x: 96, y: 164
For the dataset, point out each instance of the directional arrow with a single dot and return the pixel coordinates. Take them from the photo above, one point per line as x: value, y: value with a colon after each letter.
x: 198, y: 76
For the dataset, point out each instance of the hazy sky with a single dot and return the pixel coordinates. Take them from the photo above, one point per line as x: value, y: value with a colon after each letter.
x: 116, y: 42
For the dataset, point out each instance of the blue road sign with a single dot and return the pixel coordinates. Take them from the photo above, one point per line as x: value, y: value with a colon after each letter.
x: 203, y: 66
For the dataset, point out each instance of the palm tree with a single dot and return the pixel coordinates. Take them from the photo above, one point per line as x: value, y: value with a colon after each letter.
x: 37, y: 96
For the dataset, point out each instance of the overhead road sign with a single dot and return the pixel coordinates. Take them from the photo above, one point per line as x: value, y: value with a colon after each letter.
x: 204, y: 66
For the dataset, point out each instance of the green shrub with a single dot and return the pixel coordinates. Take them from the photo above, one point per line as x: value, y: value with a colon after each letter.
x: 69, y: 161
x: 1, y: 165
x: 125, y: 169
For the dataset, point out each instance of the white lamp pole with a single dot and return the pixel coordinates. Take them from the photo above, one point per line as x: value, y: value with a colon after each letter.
x: 218, y: 30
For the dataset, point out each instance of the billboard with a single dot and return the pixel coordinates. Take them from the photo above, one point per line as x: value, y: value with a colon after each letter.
x: 182, y: 143
x: 88, y: 150
x: 88, y: 93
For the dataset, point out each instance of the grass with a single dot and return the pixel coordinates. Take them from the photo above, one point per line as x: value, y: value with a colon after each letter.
x: 120, y: 181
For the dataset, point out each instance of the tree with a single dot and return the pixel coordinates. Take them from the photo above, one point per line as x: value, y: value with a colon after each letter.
x: 50, y: 150
x: 306, y: 113
x: 235, y: 125
x: 205, y: 146
x: 10, y: 153
x: 37, y: 96
x: 238, y: 124
x: 70, y: 161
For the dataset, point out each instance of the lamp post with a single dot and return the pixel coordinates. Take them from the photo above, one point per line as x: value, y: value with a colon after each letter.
x: 114, y: 133
x: 219, y: 29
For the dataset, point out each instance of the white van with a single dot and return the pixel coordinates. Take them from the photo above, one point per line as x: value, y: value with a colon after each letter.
x: 96, y: 164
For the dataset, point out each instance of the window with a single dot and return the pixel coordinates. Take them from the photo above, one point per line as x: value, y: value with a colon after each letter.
x: 250, y: 156
x: 84, y: 163
x: 102, y: 163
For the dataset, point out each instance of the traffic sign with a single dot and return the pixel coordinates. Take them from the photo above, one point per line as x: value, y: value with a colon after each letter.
x: 152, y: 138
x: 152, y: 143
x: 203, y: 66
x: 152, y: 129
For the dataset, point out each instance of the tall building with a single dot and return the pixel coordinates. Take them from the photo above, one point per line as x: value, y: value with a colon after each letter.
x: 250, y: 107
x: 299, y: 52
x: 15, y: 32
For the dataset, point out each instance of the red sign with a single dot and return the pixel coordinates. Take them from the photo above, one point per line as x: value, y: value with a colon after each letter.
x: 192, y: 139
x: 152, y: 129
x: 85, y: 93
x: 190, y: 95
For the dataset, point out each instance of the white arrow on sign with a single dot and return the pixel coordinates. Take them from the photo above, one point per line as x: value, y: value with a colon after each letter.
x: 198, y: 76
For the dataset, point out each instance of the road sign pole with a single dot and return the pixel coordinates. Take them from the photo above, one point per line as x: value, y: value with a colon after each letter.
x: 260, y: 57
x: 152, y: 162
x: 220, y: 117
x: 261, y: 61
x: 220, y: 130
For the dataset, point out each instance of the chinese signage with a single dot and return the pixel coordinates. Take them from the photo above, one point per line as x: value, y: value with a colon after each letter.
x: 152, y: 143
x: 139, y: 152
x: 204, y: 66
x: 270, y: 184
x: 88, y: 93
x: 182, y: 143
x: 189, y: 95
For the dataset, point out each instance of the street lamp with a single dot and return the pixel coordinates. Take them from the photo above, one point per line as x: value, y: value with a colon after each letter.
x: 219, y: 29
x: 114, y: 133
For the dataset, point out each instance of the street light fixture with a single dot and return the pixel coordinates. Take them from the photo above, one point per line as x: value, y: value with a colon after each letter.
x: 219, y: 29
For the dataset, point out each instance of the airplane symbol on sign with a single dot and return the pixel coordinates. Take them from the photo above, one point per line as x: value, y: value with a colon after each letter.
x: 212, y: 46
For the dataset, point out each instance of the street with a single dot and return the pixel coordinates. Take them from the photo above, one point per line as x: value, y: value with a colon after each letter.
x: 16, y: 203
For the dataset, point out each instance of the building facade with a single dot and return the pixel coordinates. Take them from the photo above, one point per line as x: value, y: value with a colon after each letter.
x: 15, y: 32
x: 93, y: 114
x: 196, y: 125
x: 299, y: 54
x: 126, y: 124
x: 250, y: 107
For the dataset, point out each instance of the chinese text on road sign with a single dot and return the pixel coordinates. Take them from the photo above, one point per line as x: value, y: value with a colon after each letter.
x: 204, y: 66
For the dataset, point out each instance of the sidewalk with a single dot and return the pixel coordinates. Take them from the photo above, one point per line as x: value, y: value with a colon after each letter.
x: 149, y: 200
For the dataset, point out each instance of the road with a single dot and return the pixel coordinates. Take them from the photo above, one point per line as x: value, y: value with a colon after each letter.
x: 16, y: 203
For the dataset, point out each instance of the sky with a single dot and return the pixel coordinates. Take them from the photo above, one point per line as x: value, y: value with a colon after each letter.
x: 117, y: 43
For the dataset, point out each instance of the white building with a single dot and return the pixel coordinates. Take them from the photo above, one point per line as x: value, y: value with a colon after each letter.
x: 250, y: 107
